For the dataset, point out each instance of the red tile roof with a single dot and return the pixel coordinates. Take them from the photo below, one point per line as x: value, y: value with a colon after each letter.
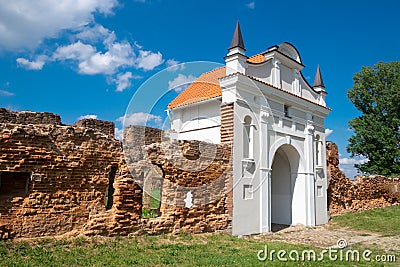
x: 259, y: 58
x: 203, y: 88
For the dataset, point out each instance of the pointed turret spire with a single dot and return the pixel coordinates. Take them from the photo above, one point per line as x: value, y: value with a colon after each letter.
x: 318, y: 82
x: 237, y: 39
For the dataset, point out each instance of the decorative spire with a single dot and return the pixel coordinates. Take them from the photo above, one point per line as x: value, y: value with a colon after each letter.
x: 318, y: 82
x: 237, y: 39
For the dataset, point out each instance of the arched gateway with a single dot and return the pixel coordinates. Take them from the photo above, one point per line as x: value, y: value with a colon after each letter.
x: 287, y: 196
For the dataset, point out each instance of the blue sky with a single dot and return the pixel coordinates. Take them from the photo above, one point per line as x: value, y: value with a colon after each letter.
x: 79, y: 58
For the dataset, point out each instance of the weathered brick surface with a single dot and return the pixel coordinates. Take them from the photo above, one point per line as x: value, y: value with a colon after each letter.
x: 365, y: 192
x: 28, y: 117
x: 200, y: 168
x: 105, y: 127
x: 69, y: 169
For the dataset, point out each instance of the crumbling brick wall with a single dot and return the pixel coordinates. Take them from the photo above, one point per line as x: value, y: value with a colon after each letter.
x: 28, y: 117
x: 365, y: 192
x: 56, y: 179
x: 207, y: 182
x: 105, y: 127
x: 200, y: 168
x: 69, y: 170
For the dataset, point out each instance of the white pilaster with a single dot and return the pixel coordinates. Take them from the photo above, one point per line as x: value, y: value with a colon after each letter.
x: 265, y: 171
x: 296, y: 82
x: 276, y: 73
x: 321, y: 98
x: 309, y: 175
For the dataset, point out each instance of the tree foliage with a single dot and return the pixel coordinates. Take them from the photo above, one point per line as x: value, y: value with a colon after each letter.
x: 376, y: 93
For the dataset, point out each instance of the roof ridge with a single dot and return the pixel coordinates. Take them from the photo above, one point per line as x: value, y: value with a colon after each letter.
x: 206, y: 86
x: 281, y: 89
x: 254, y: 57
x: 273, y: 86
x: 211, y: 71
x: 263, y: 52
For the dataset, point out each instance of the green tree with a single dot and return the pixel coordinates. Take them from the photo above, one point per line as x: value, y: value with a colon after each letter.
x: 376, y: 94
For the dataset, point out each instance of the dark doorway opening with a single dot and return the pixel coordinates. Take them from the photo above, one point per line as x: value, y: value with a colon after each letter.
x: 110, y: 188
x: 14, y: 184
x: 278, y: 227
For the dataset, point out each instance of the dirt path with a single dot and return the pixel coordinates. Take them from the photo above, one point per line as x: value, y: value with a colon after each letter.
x: 327, y: 236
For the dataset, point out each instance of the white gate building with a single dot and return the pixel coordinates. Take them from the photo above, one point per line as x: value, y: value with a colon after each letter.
x: 275, y: 121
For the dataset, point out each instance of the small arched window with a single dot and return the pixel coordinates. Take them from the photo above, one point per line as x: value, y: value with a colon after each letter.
x: 248, y: 139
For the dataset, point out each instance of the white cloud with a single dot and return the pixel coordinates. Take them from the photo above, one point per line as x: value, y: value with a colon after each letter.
x: 173, y: 65
x: 89, y: 116
x: 36, y: 64
x: 353, y: 160
x: 123, y: 81
x: 93, y: 49
x: 77, y: 51
x: 328, y: 132
x: 25, y: 23
x: 95, y: 33
x: 140, y: 118
x: 148, y: 60
x: 347, y: 165
x: 181, y: 82
x: 6, y: 93
x: 118, y: 134
x: 251, y: 5
x: 349, y: 170
x: 90, y: 61
x: 172, y: 62
x: 120, y: 54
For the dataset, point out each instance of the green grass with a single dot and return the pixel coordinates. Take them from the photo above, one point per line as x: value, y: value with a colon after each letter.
x: 163, y: 250
x: 147, y: 213
x: 383, y: 220
x: 155, y: 198
x: 185, y: 249
x: 155, y: 201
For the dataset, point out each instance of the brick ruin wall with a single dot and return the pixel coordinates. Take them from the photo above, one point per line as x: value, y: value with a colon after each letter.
x: 54, y: 179
x: 66, y: 171
x: 365, y: 192
x: 105, y: 127
x: 200, y: 168
x: 28, y: 117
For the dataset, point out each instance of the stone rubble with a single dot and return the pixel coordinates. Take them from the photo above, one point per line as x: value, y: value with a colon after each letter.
x: 364, y: 193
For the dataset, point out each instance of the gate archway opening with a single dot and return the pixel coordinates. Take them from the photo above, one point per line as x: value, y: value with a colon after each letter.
x: 288, y: 201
